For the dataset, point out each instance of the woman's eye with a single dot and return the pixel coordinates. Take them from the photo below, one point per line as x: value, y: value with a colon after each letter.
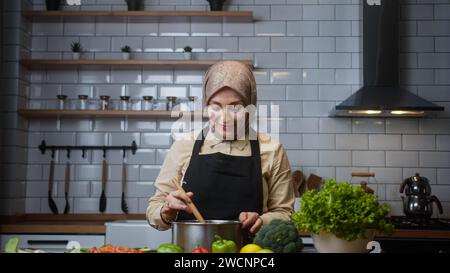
x: 228, y: 108
x: 215, y: 107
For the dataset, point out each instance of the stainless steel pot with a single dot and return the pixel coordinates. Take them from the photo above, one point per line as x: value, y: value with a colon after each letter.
x: 191, y: 234
x: 419, y: 206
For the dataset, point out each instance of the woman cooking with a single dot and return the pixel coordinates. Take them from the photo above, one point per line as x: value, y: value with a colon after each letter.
x: 227, y: 173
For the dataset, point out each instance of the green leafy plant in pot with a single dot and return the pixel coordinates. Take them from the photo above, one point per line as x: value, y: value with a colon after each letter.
x: 216, y: 5
x: 341, y: 217
x: 126, y: 52
x: 134, y: 5
x: 53, y: 4
x: 77, y: 48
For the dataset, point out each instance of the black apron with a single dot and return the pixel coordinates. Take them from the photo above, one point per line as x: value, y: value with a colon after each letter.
x: 224, y: 185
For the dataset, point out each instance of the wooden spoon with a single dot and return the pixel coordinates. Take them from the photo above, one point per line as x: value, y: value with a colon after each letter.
x: 191, y: 205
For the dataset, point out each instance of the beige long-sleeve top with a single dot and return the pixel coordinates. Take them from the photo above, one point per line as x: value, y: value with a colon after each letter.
x: 278, y: 190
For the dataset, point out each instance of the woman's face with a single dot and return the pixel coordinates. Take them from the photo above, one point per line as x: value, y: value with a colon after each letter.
x: 226, y: 113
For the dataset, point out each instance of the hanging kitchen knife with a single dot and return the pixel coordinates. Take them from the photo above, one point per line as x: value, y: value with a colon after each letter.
x: 66, y: 184
x: 51, y: 202
x: 102, y: 206
x: 124, y: 179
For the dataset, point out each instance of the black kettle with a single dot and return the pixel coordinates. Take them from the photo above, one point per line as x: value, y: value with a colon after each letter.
x: 418, y: 202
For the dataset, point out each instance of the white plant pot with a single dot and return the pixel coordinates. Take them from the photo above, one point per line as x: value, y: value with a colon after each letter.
x: 126, y: 55
x: 329, y: 243
x: 76, y: 55
x: 188, y: 55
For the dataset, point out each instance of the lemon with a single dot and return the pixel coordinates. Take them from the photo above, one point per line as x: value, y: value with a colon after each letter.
x: 251, y: 248
x: 265, y: 250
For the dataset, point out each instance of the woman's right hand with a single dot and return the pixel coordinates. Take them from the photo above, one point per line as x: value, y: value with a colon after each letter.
x: 175, y: 201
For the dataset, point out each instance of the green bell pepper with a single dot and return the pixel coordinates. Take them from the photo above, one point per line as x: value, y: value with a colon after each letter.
x: 169, y: 248
x: 223, y: 246
x: 12, y: 246
x: 145, y: 249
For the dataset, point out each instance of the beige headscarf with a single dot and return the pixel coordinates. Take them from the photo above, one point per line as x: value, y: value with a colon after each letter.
x: 233, y: 74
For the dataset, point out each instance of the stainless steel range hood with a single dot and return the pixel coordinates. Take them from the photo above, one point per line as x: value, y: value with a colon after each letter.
x: 381, y: 95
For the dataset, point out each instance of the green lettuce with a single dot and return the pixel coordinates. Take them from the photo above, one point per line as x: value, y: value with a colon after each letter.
x: 345, y: 210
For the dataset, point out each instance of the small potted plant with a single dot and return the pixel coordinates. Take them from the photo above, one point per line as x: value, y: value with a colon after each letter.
x: 134, y: 5
x: 341, y: 218
x: 76, y: 50
x: 187, y: 52
x: 126, y: 52
x: 53, y: 4
x: 216, y: 5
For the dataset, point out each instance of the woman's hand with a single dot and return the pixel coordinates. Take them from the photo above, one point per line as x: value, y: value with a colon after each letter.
x: 174, y: 202
x: 250, y: 220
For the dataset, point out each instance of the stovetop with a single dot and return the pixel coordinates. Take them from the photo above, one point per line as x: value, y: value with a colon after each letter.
x: 402, y: 222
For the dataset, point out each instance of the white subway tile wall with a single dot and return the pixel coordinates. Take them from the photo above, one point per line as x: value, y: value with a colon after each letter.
x: 307, y: 58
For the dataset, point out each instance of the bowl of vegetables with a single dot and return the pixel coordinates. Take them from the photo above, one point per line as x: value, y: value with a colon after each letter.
x: 341, y: 217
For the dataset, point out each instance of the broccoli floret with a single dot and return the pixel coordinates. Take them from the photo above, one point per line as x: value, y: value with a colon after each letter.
x: 279, y: 236
x: 294, y: 247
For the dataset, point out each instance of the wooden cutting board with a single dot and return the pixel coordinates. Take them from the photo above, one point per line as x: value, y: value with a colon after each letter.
x: 314, y: 182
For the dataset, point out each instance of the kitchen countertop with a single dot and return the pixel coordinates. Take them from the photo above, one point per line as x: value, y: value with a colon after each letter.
x: 95, y: 224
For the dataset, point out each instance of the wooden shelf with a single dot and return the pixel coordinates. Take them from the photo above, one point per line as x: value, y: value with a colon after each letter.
x: 51, y: 16
x: 123, y: 64
x: 40, y: 113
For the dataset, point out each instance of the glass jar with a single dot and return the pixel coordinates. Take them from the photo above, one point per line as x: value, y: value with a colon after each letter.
x: 170, y: 104
x: 94, y: 104
x: 82, y: 102
x: 136, y: 104
x: 62, y: 99
x: 125, y: 103
x: 191, y: 103
x: 104, y: 105
x: 160, y: 105
x: 183, y: 103
x: 147, y: 104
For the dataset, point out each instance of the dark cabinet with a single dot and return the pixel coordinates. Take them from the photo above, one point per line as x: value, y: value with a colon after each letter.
x: 414, y: 245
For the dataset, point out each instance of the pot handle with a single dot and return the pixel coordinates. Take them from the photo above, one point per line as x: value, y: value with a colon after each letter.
x: 433, y: 198
x: 402, y: 187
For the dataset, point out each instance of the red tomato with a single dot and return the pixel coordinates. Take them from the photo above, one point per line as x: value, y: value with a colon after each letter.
x: 200, y: 250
